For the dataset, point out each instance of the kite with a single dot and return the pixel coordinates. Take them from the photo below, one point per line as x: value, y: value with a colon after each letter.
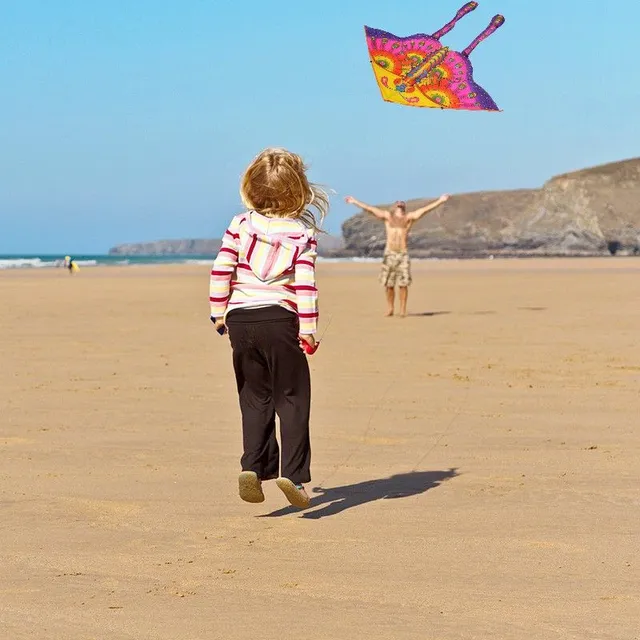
x: 418, y: 71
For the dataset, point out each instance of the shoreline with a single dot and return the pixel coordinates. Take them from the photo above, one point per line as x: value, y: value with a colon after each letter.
x: 92, y: 262
x: 327, y: 267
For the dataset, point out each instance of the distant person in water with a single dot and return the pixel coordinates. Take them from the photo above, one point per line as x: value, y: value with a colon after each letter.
x: 396, y: 266
x: 70, y: 264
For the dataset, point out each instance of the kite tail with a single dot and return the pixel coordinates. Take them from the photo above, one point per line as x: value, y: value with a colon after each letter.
x: 468, y: 8
x: 496, y: 23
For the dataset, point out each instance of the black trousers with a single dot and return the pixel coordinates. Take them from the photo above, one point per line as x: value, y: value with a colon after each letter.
x: 272, y: 375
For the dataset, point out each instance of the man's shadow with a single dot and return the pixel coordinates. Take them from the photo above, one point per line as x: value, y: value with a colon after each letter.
x: 338, y: 499
x: 429, y: 314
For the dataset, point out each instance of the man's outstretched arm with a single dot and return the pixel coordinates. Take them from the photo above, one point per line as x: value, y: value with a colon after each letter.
x: 378, y: 213
x: 418, y: 213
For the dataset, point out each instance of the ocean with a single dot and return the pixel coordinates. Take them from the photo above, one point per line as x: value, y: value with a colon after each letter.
x: 52, y: 261
x: 83, y: 261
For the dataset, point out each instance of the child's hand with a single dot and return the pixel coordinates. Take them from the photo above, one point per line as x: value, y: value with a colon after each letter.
x: 220, y: 326
x: 307, y: 339
x: 350, y: 200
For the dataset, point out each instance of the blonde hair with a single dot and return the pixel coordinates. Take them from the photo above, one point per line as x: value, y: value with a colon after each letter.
x: 276, y: 184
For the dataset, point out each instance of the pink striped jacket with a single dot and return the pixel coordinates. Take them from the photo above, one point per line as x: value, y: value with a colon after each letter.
x: 266, y: 261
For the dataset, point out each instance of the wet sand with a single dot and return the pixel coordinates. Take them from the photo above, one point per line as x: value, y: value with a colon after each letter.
x: 476, y: 465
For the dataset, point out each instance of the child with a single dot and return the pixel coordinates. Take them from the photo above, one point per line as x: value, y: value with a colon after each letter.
x: 263, y: 292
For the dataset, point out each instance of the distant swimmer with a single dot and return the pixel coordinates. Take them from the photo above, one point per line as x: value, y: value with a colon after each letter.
x: 70, y: 264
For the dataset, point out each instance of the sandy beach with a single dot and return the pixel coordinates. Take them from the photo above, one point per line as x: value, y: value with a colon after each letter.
x: 475, y: 465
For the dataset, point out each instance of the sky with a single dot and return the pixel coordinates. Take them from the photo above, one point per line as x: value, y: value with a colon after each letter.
x: 133, y: 120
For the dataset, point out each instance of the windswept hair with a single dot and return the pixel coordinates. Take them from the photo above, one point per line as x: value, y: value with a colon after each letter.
x: 276, y: 184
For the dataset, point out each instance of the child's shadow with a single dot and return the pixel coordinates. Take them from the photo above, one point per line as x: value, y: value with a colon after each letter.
x: 338, y: 499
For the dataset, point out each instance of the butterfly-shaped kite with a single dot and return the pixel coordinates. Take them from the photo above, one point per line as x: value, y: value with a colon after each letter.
x: 418, y: 71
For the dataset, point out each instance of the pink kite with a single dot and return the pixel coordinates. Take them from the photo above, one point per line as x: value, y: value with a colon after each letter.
x: 418, y: 71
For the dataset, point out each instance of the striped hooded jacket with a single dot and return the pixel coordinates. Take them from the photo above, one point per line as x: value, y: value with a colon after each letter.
x: 266, y: 261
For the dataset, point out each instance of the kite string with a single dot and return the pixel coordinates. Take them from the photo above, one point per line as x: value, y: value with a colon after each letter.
x: 445, y: 432
x: 363, y: 437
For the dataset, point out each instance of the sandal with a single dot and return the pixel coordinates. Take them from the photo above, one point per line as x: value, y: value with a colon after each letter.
x: 295, y: 493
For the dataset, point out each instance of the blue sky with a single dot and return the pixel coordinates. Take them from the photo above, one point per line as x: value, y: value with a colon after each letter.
x: 133, y: 120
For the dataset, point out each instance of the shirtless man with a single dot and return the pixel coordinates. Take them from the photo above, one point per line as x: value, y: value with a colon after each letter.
x: 396, y: 267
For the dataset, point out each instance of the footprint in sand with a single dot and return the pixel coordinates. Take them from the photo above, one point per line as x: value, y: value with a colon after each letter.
x: 552, y: 544
x: 375, y: 440
x: 13, y: 441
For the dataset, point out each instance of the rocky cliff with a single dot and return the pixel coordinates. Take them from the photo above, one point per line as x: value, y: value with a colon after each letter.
x: 595, y: 211
x: 168, y: 248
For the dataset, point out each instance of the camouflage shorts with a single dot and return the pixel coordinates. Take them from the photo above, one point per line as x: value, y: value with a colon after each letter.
x: 396, y: 269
